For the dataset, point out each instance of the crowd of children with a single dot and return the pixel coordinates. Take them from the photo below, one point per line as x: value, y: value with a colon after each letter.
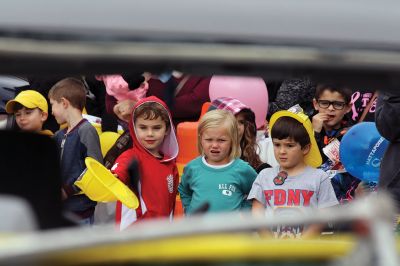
x: 229, y: 174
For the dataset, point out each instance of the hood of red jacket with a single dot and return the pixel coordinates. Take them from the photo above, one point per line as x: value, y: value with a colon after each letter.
x: 169, y: 147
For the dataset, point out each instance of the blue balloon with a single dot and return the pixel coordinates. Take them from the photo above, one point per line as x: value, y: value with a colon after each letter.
x: 361, y: 151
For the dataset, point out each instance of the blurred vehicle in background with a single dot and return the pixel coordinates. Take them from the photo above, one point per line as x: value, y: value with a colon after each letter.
x: 8, y: 89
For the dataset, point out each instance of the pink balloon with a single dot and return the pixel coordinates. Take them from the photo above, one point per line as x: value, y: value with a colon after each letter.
x: 251, y: 91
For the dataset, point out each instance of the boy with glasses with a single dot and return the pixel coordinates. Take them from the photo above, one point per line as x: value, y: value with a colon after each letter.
x: 332, y: 104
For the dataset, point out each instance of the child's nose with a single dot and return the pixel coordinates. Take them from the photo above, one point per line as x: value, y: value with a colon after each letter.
x: 214, y: 144
x: 150, y: 132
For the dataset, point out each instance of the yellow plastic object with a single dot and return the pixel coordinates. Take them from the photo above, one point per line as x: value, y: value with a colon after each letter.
x: 215, y: 249
x: 99, y: 184
x: 97, y: 127
x: 107, y: 140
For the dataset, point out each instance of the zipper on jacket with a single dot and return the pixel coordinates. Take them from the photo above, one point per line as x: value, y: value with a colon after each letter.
x: 62, y: 145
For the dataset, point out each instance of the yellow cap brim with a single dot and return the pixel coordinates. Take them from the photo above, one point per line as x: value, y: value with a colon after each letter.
x: 10, y: 106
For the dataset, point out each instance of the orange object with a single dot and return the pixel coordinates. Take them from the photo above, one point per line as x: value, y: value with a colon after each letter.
x: 187, y: 138
x: 186, y: 133
x: 187, y: 141
x: 178, y: 212
x: 204, y: 108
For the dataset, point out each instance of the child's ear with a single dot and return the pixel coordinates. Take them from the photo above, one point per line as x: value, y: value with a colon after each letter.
x: 44, y: 116
x: 167, y: 131
x: 348, y: 107
x: 306, y: 149
x: 64, y: 102
x: 315, y: 104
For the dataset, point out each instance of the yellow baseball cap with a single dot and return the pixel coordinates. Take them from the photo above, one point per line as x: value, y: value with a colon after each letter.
x: 30, y: 99
x: 313, y: 157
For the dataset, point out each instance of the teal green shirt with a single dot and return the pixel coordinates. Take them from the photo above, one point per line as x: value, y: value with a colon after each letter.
x: 224, y: 189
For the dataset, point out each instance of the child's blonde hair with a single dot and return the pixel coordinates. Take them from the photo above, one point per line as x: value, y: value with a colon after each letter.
x: 220, y: 119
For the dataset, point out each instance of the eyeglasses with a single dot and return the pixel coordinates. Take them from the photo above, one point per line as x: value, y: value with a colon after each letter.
x: 336, y: 104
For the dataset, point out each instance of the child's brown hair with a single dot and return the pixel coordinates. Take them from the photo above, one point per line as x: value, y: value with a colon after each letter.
x: 344, y: 91
x: 248, y: 142
x: 152, y: 110
x: 288, y: 127
x: 71, y: 89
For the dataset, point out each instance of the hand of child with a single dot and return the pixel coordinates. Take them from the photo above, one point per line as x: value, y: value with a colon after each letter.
x: 361, y: 190
x: 123, y: 109
x: 318, y: 121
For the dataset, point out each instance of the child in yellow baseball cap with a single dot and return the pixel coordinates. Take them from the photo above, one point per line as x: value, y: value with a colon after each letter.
x: 30, y: 110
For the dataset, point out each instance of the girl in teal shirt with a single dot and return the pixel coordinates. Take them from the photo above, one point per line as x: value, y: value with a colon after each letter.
x: 218, y: 177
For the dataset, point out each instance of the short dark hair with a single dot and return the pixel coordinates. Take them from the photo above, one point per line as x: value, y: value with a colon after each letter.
x: 71, y: 89
x: 343, y: 90
x: 152, y: 110
x: 17, y: 106
x: 288, y: 127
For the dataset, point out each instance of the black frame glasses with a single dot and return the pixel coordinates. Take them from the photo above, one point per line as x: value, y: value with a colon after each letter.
x: 337, y: 105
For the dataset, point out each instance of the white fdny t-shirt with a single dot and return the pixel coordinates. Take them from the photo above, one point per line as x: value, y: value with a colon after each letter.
x: 312, y: 189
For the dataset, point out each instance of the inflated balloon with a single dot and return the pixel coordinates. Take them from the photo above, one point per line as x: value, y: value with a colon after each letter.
x: 361, y: 151
x: 251, y: 91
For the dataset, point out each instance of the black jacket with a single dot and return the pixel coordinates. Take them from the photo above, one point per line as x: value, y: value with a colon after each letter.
x: 387, y: 118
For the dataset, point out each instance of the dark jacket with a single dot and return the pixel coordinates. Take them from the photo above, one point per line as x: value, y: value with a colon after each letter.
x: 344, y: 184
x: 81, y: 142
x: 387, y: 118
x: 293, y: 91
x: 186, y: 104
x: 360, y: 100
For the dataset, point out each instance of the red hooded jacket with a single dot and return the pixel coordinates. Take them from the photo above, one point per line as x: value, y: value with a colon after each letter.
x: 158, y: 180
